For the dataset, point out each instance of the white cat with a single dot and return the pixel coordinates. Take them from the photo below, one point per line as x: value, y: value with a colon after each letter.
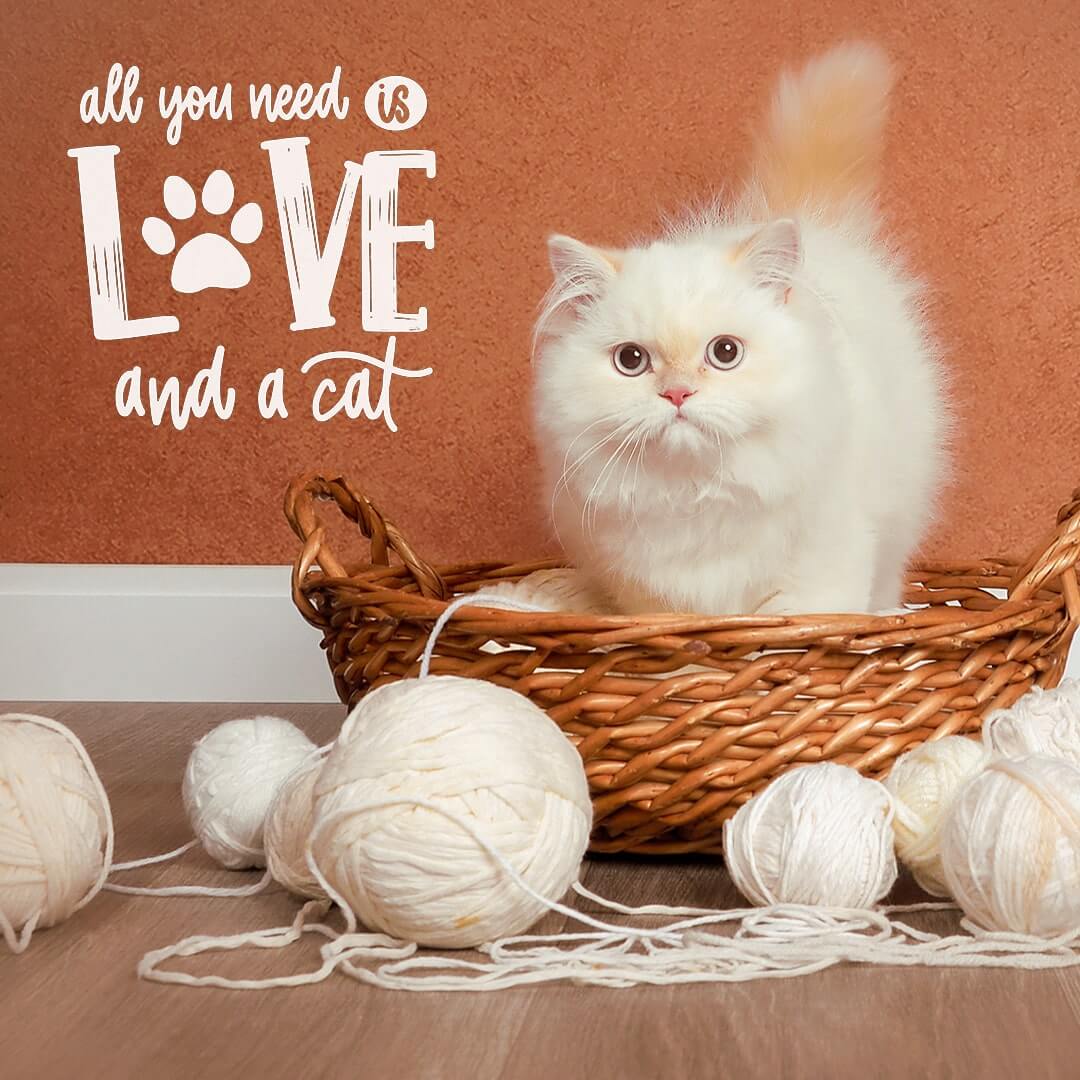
x: 747, y: 415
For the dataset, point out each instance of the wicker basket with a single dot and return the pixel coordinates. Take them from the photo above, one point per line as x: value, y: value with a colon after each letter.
x: 670, y: 753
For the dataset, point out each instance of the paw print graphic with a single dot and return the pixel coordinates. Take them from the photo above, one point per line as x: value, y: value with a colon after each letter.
x: 208, y: 260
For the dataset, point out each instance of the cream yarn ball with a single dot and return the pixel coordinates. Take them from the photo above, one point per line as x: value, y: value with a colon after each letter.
x: 818, y: 834
x: 924, y: 782
x: 1011, y: 847
x: 288, y: 827
x: 55, y: 827
x: 482, y: 753
x: 231, y: 778
x: 1040, y: 722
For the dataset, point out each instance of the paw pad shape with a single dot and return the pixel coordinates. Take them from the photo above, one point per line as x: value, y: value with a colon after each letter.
x: 209, y: 260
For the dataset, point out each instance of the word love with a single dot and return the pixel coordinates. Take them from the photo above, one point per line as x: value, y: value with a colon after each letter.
x: 311, y: 266
x: 206, y: 392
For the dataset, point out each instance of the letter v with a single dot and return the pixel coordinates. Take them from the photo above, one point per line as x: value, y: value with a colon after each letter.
x: 311, y: 273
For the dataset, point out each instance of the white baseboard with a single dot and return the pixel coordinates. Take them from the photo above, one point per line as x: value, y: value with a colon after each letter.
x: 156, y: 633
x: 163, y: 633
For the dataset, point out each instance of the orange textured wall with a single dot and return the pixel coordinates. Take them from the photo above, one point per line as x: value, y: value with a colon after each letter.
x: 545, y: 115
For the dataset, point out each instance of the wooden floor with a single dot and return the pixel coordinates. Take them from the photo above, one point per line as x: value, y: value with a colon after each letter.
x: 72, y: 1006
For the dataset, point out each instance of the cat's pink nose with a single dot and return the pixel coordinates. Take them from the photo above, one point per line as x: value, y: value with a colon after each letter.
x: 677, y: 395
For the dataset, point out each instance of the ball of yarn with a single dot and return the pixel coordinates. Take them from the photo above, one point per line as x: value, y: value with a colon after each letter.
x: 1040, y: 722
x: 230, y: 781
x: 818, y: 834
x: 451, y: 757
x: 55, y: 826
x: 288, y: 827
x: 556, y: 589
x: 1010, y: 846
x: 924, y: 782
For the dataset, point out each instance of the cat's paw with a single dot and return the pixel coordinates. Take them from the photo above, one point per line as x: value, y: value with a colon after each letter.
x: 786, y: 603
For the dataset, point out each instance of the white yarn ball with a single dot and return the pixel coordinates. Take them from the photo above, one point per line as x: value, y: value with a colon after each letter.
x: 818, y: 834
x: 230, y: 781
x: 1040, y: 722
x: 479, y: 751
x: 556, y: 589
x: 288, y: 828
x: 924, y: 782
x: 55, y: 826
x: 1011, y: 846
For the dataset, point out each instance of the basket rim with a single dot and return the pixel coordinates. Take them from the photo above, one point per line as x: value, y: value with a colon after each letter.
x: 1042, y: 587
x: 873, y: 630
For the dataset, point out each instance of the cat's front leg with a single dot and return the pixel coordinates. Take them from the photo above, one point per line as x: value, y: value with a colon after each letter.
x: 836, y: 579
x: 633, y: 598
x: 809, y: 602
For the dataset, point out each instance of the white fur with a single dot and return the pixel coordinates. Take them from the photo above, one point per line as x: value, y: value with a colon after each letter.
x: 800, y: 481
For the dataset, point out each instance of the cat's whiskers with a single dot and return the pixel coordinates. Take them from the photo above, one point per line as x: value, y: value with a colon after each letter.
x: 635, y: 488
x: 581, y: 434
x: 591, y: 506
x: 635, y: 447
x: 580, y: 463
x: 564, y: 480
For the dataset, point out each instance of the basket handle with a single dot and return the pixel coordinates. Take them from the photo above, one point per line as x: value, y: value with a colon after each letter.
x: 383, y: 535
x: 1055, y: 558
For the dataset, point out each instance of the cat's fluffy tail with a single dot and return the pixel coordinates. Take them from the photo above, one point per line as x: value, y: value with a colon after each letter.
x: 820, y: 149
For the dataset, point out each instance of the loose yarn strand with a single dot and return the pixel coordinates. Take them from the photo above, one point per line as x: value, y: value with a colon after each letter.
x: 194, y: 890
x: 644, y: 909
x: 374, y: 945
x: 779, y: 941
x: 18, y: 943
x: 477, y: 599
x: 180, y: 890
x: 150, y: 860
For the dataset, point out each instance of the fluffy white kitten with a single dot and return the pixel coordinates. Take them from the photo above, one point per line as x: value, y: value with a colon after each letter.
x: 747, y: 415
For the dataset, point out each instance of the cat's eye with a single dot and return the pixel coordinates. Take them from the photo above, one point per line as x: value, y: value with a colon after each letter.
x: 630, y: 359
x: 724, y: 352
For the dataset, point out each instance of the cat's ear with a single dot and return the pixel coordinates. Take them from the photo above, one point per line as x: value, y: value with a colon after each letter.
x: 584, y: 269
x: 773, y: 254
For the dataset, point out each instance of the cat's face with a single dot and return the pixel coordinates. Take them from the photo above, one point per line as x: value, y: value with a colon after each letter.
x: 674, y: 351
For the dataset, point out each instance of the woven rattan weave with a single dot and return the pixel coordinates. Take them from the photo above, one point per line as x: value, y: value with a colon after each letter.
x: 679, y: 719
